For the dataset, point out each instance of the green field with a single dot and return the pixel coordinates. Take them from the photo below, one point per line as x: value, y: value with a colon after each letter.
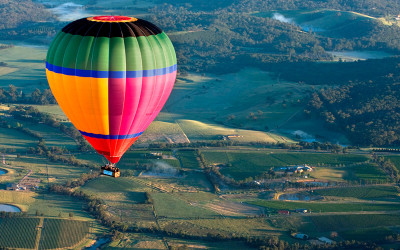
x: 354, y: 221
x: 172, y: 207
x: 317, y: 207
x: 18, y: 232
x: 11, y: 138
x: 367, y: 172
x: 373, y: 192
x: 62, y: 233
x: 188, y: 159
x: 253, y: 163
x: 29, y: 60
x: 370, y: 234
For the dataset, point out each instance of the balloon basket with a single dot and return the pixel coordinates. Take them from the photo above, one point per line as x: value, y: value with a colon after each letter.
x: 110, y: 170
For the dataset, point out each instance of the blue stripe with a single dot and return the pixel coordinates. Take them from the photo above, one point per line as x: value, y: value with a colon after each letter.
x: 121, y: 137
x: 110, y: 74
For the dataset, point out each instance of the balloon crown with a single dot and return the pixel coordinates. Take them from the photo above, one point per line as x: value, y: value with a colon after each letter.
x: 112, y: 19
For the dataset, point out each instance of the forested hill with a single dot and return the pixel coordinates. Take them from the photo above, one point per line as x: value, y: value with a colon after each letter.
x: 367, y: 111
x: 16, y: 12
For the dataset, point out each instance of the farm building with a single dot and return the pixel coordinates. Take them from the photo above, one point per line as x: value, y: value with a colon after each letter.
x: 296, y: 169
x: 325, y: 240
x: 286, y: 212
x: 154, y: 155
x: 301, y: 210
x: 301, y: 236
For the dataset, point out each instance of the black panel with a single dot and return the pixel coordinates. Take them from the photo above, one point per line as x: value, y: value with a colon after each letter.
x: 86, y: 27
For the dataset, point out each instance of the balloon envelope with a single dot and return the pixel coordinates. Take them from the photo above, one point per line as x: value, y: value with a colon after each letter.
x: 111, y: 75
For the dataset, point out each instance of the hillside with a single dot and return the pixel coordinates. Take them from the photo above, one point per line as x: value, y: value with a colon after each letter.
x: 14, y: 13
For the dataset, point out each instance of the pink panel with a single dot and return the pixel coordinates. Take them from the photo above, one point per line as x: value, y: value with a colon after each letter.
x: 132, y: 98
x: 169, y: 84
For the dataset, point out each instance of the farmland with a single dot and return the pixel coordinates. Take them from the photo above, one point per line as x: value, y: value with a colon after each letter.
x: 243, y: 164
x: 44, y: 233
x: 205, y: 172
x: 322, y: 207
x: 62, y: 233
x: 18, y: 232
x: 374, y: 192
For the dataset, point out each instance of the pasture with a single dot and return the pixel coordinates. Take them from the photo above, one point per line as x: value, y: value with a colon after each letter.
x: 368, y: 192
x: 353, y: 221
x: 29, y: 60
x: 246, y: 163
x: 170, y: 206
x: 11, y: 138
x: 322, y: 207
x: 210, y: 106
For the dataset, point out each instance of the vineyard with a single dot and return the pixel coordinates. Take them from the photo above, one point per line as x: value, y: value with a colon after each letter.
x: 62, y: 233
x: 188, y: 159
x: 18, y: 232
x: 55, y: 233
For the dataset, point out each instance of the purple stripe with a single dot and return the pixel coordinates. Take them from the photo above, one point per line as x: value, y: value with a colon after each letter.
x: 110, y: 74
x: 120, y: 137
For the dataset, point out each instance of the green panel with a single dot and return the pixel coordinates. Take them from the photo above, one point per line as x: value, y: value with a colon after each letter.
x: 117, y: 54
x: 99, y: 57
x: 158, y: 52
x: 53, y: 47
x: 60, y: 51
x: 71, y: 51
x: 146, y: 51
x: 168, y: 48
x: 82, y: 58
x: 133, y: 55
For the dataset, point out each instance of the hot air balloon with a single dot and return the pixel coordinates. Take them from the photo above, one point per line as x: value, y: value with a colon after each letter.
x: 111, y: 75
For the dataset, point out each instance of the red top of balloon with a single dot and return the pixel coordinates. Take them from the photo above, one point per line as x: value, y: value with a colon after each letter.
x: 112, y: 19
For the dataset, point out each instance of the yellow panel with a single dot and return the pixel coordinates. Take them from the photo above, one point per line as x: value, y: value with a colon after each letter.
x: 93, y: 98
x: 57, y: 87
x: 84, y: 100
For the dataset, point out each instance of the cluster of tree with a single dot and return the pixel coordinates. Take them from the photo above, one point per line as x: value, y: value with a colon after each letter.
x: 13, y: 95
x: 371, y: 7
x: 54, y: 154
x: 225, y: 39
x: 387, y: 166
x: 14, y: 13
x: 367, y: 112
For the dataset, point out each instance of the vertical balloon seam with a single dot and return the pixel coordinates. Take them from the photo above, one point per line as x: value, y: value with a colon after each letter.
x: 124, y: 143
x: 125, y: 138
x: 123, y: 103
x: 155, y: 67
x: 108, y: 84
x: 62, y: 80
x: 78, y: 102
x: 142, y: 64
x: 90, y: 78
x: 154, y: 80
x: 165, y: 82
